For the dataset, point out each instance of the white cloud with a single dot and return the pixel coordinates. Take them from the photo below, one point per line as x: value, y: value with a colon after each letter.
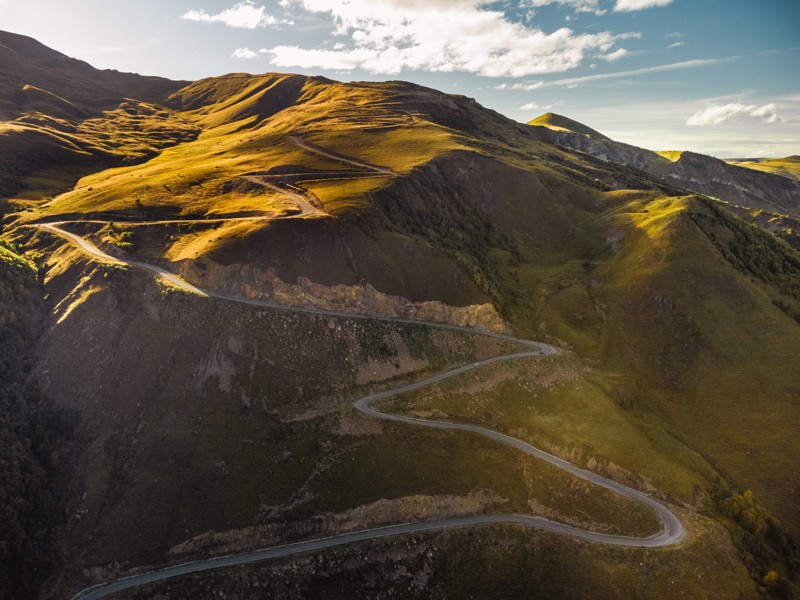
x: 615, y: 55
x: 389, y: 36
x: 574, y: 81
x: 677, y: 44
x: 245, y: 15
x: 631, y: 5
x: 528, y: 86
x: 659, y: 125
x: 719, y: 113
x: 587, y: 6
x: 533, y: 106
x: 244, y: 53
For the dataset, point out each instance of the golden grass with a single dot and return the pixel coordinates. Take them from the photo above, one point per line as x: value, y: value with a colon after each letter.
x: 189, y: 179
x: 561, y: 123
x: 241, y: 135
x: 191, y: 245
x: 340, y: 196
x: 400, y: 148
x: 786, y: 167
x: 670, y: 155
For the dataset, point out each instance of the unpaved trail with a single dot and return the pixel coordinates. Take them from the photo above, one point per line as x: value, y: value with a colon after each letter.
x: 322, y: 152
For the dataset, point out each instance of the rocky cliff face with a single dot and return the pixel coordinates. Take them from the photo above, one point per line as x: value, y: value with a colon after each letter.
x: 257, y: 284
x: 696, y: 172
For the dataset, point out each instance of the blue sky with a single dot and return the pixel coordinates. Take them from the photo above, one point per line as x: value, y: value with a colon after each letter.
x: 720, y: 77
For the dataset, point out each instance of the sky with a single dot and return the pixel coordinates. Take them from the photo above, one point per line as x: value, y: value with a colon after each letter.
x: 720, y: 77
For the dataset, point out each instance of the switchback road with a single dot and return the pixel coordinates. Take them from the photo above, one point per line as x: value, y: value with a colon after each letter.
x: 672, y: 531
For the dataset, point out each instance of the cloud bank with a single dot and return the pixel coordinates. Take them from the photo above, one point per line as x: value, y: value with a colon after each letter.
x: 716, y: 114
x: 592, y: 6
x: 390, y: 36
x: 245, y: 15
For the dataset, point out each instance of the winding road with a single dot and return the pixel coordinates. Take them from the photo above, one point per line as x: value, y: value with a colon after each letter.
x: 671, y: 532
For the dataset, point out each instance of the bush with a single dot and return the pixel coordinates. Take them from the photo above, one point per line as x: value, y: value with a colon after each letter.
x: 760, y: 538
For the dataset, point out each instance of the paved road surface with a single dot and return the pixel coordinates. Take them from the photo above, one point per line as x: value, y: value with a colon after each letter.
x: 672, y: 531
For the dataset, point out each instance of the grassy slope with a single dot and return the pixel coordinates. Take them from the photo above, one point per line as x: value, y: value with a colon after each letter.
x: 614, y: 275
x: 787, y: 167
x: 246, y: 130
x: 714, y: 343
x: 696, y: 342
x: 280, y: 443
x: 60, y: 118
x: 671, y: 155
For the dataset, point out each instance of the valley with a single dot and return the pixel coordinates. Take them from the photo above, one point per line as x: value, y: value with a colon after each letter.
x: 289, y: 319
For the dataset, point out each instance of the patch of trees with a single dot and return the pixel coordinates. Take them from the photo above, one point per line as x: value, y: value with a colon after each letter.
x: 754, y: 252
x: 769, y: 553
x: 123, y: 239
x: 31, y: 435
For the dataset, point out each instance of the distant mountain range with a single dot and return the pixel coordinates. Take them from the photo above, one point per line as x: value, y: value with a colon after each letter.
x: 770, y: 185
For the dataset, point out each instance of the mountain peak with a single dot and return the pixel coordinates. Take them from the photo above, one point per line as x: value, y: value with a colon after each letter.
x: 561, y: 123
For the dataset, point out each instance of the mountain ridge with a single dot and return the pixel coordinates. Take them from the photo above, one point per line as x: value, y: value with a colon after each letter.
x: 29, y: 62
x: 688, y: 170
x: 562, y: 123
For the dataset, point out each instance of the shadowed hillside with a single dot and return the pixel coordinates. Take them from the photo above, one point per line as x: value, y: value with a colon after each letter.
x: 61, y: 118
x: 35, y: 78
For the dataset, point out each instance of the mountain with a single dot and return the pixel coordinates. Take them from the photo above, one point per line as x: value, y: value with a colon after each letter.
x: 707, y: 175
x: 35, y: 78
x: 62, y: 118
x: 332, y: 240
x: 560, y: 123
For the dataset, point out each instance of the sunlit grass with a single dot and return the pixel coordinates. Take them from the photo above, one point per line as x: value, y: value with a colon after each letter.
x: 671, y: 155
x: 786, y: 167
